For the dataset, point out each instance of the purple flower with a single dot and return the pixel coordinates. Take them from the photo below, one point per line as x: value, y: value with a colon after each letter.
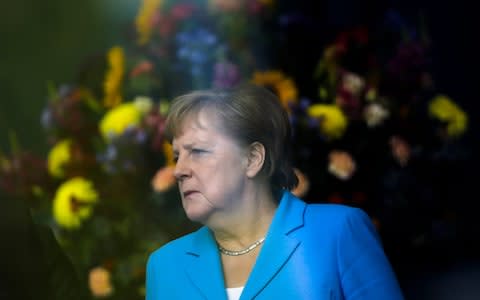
x: 195, y: 49
x: 226, y: 74
x: 141, y: 136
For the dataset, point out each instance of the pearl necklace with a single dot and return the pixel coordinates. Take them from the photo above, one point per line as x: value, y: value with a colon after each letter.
x: 243, y: 251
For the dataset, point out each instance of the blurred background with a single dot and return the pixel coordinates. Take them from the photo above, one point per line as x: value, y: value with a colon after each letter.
x: 382, y: 96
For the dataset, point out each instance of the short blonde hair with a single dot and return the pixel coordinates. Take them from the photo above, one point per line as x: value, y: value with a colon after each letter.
x: 248, y: 114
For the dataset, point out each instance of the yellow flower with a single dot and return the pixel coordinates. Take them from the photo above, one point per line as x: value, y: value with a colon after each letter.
x: 58, y: 157
x: 267, y: 77
x: 284, y: 87
x: 168, y: 152
x: 114, y: 77
x: 143, y: 20
x: 73, y: 202
x: 99, y: 282
x: 143, y: 103
x: 119, y: 118
x: 164, y: 107
x: 333, y: 122
x: 444, y: 109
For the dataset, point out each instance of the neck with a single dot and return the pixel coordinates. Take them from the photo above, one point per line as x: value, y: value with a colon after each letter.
x: 249, y: 224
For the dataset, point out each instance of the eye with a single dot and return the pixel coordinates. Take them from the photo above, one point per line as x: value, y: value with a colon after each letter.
x: 197, y: 151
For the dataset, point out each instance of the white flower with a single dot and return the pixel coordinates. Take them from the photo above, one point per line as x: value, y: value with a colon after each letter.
x: 341, y: 164
x: 375, y: 114
x: 353, y: 83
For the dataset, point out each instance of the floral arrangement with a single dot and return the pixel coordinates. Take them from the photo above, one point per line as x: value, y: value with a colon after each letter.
x: 107, y: 187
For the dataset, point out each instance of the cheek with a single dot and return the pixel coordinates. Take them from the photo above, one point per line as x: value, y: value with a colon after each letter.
x: 227, y: 183
x: 223, y: 177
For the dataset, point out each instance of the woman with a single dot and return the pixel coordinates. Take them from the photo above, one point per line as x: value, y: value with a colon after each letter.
x: 259, y: 241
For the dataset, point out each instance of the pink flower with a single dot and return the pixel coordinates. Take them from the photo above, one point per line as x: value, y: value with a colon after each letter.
x: 400, y: 150
x: 341, y: 164
x: 226, y: 75
x: 349, y: 94
x: 164, y: 179
x: 182, y: 11
x: 141, y: 68
x: 164, y: 24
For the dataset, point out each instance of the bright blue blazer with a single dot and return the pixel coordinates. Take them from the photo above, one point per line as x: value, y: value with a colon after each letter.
x: 312, y: 251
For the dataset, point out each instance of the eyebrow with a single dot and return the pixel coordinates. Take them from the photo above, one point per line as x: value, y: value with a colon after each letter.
x: 190, y: 146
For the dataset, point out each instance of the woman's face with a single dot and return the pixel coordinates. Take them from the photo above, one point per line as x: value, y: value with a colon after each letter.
x: 210, y: 168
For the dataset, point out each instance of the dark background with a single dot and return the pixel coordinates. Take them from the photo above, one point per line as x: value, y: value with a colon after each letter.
x: 448, y: 269
x: 46, y: 41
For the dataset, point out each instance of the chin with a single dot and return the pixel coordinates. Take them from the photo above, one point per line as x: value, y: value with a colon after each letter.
x: 196, y: 214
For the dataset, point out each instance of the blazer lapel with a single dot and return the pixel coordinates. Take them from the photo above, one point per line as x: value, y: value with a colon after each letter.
x: 278, y: 247
x: 204, y: 268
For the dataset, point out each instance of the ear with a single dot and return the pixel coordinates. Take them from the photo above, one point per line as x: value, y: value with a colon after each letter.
x: 256, y: 159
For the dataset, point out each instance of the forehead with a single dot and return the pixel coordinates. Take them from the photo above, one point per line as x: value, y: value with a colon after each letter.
x: 198, y: 124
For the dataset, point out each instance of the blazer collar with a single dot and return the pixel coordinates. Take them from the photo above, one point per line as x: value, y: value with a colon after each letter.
x: 279, y: 244
x: 205, y: 270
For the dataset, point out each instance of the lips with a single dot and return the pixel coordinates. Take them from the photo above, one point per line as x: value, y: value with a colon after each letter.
x: 188, y: 193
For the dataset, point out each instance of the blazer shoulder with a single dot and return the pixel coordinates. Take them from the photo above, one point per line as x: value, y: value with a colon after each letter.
x: 334, y: 214
x: 172, y: 249
x: 333, y: 209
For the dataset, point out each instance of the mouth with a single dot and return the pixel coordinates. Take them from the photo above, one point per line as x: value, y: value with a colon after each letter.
x: 188, y: 193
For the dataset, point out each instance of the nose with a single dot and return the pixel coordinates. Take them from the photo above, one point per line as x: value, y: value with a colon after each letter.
x: 182, y: 168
